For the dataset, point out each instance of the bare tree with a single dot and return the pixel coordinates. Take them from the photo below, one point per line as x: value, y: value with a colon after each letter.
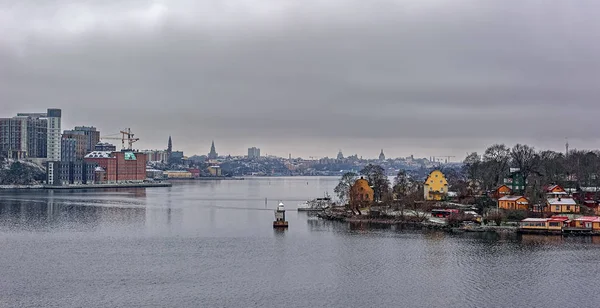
x: 376, y: 177
x: 496, y: 159
x: 526, y: 159
x: 472, y: 166
x: 403, y: 185
x: 342, y: 190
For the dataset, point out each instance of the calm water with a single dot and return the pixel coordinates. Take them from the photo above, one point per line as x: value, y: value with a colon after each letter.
x: 211, y: 244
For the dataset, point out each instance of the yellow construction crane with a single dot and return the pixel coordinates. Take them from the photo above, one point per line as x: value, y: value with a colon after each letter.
x: 126, y: 134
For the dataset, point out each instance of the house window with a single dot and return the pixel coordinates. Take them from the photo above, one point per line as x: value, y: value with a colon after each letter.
x: 436, y: 175
x: 568, y: 208
x: 367, y: 196
x: 558, y: 208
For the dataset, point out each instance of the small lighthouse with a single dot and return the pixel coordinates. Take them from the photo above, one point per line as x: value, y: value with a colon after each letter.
x: 280, y: 221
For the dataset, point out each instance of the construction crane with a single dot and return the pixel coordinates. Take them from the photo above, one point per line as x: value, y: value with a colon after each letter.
x: 126, y: 135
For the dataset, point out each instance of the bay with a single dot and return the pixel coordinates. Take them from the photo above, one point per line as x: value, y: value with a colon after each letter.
x: 211, y: 244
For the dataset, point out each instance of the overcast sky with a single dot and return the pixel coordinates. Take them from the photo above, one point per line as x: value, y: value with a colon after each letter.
x: 307, y: 77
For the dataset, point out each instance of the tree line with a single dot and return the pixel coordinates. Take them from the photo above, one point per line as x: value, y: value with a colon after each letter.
x: 575, y: 169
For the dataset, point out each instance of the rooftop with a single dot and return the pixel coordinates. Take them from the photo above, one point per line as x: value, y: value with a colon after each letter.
x: 99, y: 154
x: 510, y: 198
x: 561, y: 201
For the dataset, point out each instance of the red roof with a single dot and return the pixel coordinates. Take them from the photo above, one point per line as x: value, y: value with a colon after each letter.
x: 558, y: 218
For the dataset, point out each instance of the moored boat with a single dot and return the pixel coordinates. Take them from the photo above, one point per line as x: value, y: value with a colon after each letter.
x: 315, y: 205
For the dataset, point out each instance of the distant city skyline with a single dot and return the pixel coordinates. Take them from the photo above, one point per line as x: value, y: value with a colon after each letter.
x: 308, y: 77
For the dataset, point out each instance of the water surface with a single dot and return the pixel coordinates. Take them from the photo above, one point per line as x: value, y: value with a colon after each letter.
x: 211, y: 244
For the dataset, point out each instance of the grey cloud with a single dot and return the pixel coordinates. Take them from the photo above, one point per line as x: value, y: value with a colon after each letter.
x: 413, y: 77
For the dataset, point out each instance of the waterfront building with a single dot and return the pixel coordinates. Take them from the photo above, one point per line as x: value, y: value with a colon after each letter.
x: 340, y: 155
x: 177, y: 174
x: 435, y: 187
x: 32, y: 135
x: 60, y: 173
x: 253, y: 153
x: 24, y: 137
x: 213, y: 152
x: 68, y: 149
x: 513, y: 203
x: 120, y: 166
x: 214, y: 170
x: 561, y: 205
x: 361, y: 194
x: 381, y: 155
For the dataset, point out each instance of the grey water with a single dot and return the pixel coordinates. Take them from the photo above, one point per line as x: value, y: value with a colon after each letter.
x: 211, y: 244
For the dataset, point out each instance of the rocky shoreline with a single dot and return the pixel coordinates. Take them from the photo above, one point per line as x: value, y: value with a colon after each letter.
x: 416, y: 224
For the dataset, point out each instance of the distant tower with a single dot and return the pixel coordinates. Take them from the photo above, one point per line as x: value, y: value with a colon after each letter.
x: 213, y: 153
x: 340, y: 155
x: 381, y: 155
x: 169, y: 149
x: 567, y: 148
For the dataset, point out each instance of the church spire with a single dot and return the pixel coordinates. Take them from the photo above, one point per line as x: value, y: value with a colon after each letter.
x: 213, y: 152
x: 381, y: 155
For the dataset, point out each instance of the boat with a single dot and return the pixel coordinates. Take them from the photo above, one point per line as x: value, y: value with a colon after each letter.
x: 280, y: 221
x: 315, y: 205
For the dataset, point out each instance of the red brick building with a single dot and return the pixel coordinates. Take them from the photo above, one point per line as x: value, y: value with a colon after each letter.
x: 119, y: 166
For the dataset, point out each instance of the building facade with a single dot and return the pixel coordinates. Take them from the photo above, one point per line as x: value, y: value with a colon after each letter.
x: 34, y: 135
x: 23, y: 137
x: 513, y: 203
x: 435, y: 187
x: 104, y: 147
x: 92, y: 137
x: 253, y: 153
x: 123, y: 166
x: 361, y: 194
x: 68, y: 151
x: 80, y: 142
x: 54, y: 134
x: 70, y: 173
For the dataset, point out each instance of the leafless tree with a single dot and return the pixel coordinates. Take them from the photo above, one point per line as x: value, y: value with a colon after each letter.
x: 525, y: 158
x: 497, y: 159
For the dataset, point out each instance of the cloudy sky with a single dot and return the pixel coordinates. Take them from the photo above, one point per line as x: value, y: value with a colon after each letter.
x: 308, y: 77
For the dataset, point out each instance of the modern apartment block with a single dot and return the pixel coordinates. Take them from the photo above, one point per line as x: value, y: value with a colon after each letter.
x: 32, y: 135
x: 253, y: 153
x: 81, y: 141
x: 92, y: 137
x: 24, y: 136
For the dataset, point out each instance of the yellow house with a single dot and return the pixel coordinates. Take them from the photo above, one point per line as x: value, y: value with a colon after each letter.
x: 436, y: 186
x: 361, y: 194
x: 562, y: 205
x: 513, y: 203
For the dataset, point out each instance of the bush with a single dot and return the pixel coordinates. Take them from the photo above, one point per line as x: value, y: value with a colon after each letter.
x: 516, y: 215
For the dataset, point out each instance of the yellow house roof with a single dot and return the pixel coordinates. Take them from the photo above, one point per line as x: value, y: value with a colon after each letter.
x: 435, y: 177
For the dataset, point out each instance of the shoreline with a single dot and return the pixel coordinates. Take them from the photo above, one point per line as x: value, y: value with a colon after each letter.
x: 84, y: 186
x: 121, y: 185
